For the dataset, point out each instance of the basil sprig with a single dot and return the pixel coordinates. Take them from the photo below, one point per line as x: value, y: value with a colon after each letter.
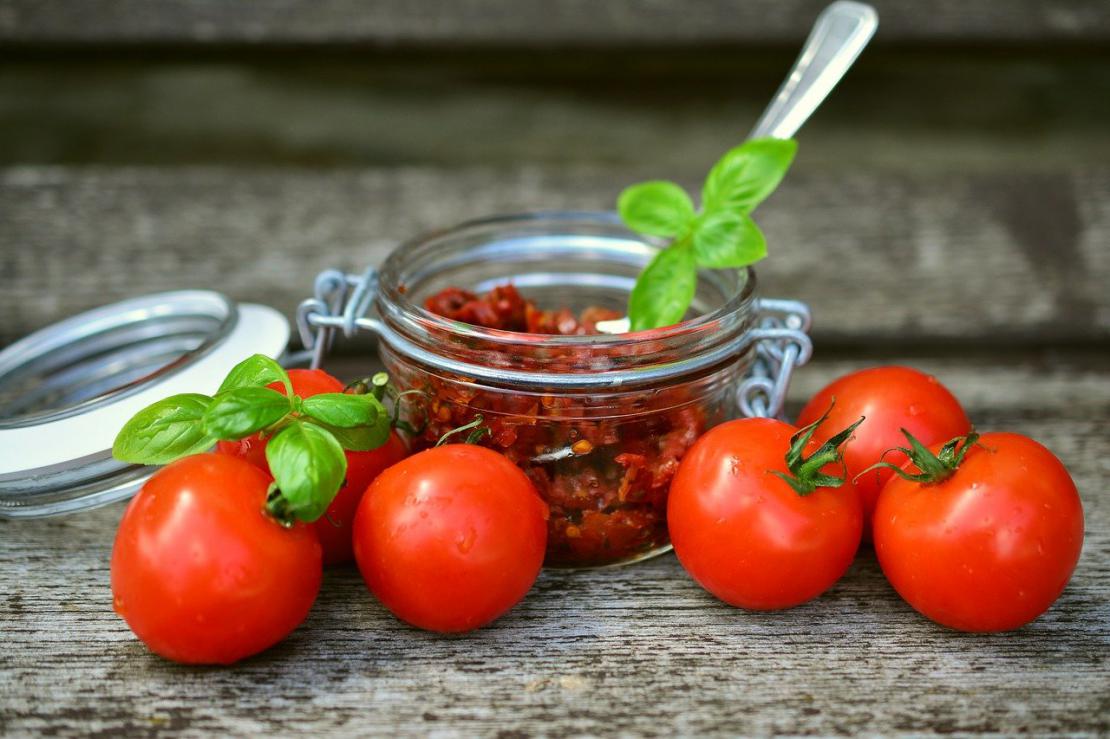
x: 307, y: 436
x: 721, y: 235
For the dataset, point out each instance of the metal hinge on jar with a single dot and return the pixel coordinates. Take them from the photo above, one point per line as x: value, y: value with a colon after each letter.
x: 782, y: 343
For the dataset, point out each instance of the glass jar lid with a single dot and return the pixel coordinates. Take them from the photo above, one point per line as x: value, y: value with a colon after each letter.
x: 67, y: 389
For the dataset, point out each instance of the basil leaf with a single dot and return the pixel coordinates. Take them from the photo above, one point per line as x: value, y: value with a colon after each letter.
x: 657, y: 208
x: 746, y: 175
x: 167, y: 430
x: 257, y: 370
x: 359, y: 438
x: 664, y: 290
x: 344, y: 410
x: 237, y: 413
x: 728, y: 239
x: 308, y: 466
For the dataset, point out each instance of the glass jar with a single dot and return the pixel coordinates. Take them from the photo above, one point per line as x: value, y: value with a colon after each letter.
x: 599, y: 423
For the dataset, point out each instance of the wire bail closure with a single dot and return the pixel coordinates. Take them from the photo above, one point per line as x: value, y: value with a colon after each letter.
x: 783, y: 346
x: 341, y: 302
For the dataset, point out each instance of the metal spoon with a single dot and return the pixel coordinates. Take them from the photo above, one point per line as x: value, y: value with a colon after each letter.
x: 839, y: 34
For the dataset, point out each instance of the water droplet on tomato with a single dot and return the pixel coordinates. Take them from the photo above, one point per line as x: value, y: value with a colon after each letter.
x: 466, y: 542
x: 915, y: 409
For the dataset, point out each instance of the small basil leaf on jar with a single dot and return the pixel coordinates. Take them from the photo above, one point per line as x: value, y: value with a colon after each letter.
x: 747, y: 174
x: 664, y: 289
x: 344, y: 410
x: 725, y: 239
x: 167, y: 430
x: 308, y: 466
x: 656, y: 208
x: 257, y: 370
x: 241, y: 412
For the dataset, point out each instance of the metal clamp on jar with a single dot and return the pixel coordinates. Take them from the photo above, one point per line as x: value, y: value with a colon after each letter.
x: 598, y: 422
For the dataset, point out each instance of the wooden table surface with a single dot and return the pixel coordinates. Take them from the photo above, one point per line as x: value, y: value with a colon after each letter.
x: 638, y: 649
x: 949, y: 209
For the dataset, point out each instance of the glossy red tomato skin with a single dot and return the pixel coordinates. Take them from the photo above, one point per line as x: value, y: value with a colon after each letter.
x: 334, y: 529
x: 891, y: 398
x: 744, y: 534
x: 451, y: 538
x: 990, y: 548
x: 201, y: 574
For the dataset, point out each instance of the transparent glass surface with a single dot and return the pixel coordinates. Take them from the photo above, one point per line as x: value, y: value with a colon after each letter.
x: 602, y: 458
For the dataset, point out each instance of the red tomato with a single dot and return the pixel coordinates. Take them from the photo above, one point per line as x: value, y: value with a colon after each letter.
x: 334, y: 529
x: 747, y: 536
x: 989, y: 548
x: 201, y: 574
x: 890, y: 398
x: 451, y: 538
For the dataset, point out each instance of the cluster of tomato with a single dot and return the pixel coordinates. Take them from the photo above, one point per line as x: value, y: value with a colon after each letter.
x: 447, y: 539
x: 979, y: 533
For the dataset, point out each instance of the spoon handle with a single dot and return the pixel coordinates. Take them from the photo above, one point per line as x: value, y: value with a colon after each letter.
x: 837, y: 38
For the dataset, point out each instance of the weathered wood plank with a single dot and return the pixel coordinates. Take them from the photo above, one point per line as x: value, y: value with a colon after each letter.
x: 531, y: 22
x: 671, y: 111
x: 636, y: 650
x: 995, y: 257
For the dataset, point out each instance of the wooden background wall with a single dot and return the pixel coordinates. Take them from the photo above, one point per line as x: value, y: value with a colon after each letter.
x: 954, y: 191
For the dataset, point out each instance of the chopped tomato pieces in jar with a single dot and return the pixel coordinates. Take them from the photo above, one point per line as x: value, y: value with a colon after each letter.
x: 603, y: 471
x: 505, y: 308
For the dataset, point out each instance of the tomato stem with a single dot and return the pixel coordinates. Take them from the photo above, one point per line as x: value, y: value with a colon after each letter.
x: 805, y: 474
x: 380, y: 387
x: 277, y: 507
x: 932, y: 468
x: 475, y: 427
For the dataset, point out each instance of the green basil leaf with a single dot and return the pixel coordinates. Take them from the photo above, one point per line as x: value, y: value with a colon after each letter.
x: 656, y: 208
x: 746, y: 175
x: 308, y: 466
x: 167, y: 430
x: 237, y: 413
x: 664, y: 290
x: 360, y: 438
x: 343, y: 410
x: 728, y: 239
x: 256, y: 371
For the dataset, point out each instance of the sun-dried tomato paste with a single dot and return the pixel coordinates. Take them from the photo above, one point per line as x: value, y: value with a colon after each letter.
x: 504, y: 308
x: 604, y: 475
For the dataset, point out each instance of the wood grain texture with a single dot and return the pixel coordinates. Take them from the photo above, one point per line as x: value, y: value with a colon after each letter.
x: 978, y: 257
x: 672, y: 112
x: 638, y: 650
x: 531, y: 22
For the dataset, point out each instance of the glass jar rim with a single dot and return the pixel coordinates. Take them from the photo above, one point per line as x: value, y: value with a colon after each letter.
x: 394, y: 299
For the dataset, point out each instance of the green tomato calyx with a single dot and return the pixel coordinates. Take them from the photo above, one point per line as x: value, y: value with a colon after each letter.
x: 805, y: 473
x: 931, y: 468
